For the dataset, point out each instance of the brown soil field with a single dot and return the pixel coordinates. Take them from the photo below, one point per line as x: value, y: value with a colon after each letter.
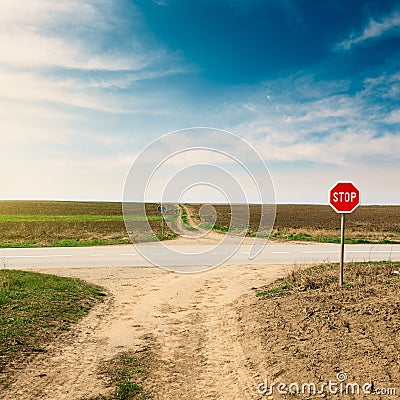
x: 32, y: 207
x: 367, y: 224
x: 27, y: 223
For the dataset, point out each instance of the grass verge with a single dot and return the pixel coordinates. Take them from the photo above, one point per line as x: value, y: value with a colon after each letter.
x: 64, y: 243
x: 311, y: 236
x: 34, y: 308
x: 325, y: 277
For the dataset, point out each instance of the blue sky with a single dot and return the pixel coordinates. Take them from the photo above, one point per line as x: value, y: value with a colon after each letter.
x: 85, y: 85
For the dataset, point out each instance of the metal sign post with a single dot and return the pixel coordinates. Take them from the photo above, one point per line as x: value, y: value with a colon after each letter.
x: 342, y: 221
x: 162, y: 210
x: 344, y: 198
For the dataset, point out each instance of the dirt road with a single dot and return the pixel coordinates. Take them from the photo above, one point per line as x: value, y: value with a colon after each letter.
x: 190, y: 320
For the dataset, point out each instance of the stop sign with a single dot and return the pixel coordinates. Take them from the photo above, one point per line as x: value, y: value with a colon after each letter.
x: 344, y: 197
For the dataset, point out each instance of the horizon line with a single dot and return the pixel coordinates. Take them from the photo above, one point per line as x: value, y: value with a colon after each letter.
x: 193, y: 202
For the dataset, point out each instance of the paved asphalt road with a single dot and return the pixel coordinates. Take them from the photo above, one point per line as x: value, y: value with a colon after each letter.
x: 191, y: 261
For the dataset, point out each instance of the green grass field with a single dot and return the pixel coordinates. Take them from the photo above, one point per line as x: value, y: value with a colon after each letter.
x: 74, y: 218
x: 61, y: 223
x: 34, y: 308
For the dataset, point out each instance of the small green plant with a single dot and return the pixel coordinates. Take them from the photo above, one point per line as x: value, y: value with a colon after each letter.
x: 276, y: 290
x: 127, y: 373
x: 127, y: 390
x: 221, y: 228
x: 349, y: 286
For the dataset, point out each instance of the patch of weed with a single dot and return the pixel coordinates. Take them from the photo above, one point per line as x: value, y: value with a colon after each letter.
x: 126, y: 374
x: 279, y: 290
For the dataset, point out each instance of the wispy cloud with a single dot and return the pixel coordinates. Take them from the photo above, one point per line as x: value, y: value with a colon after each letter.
x: 327, y: 126
x: 61, y: 34
x: 75, y: 51
x: 393, y: 117
x: 374, y: 29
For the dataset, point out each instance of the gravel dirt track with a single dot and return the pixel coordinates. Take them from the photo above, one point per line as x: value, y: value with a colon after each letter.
x: 189, y: 319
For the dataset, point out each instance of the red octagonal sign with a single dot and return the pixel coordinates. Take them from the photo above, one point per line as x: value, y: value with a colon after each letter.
x: 344, y: 197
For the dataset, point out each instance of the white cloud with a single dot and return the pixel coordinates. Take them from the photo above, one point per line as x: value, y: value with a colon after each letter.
x: 374, y: 29
x: 322, y: 110
x: 76, y: 51
x: 90, y: 94
x: 33, y: 50
x: 28, y: 87
x: 393, y: 117
x: 341, y: 148
x: 325, y: 125
x: 40, y: 33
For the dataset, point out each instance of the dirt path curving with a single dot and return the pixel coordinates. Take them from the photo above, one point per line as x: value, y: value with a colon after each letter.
x: 191, y: 318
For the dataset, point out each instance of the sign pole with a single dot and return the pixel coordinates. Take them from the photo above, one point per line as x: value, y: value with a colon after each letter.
x: 342, y: 221
x: 344, y: 198
x: 162, y: 210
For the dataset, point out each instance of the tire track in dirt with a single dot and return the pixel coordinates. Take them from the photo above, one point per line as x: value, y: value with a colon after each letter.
x: 200, y: 353
x: 191, y: 318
